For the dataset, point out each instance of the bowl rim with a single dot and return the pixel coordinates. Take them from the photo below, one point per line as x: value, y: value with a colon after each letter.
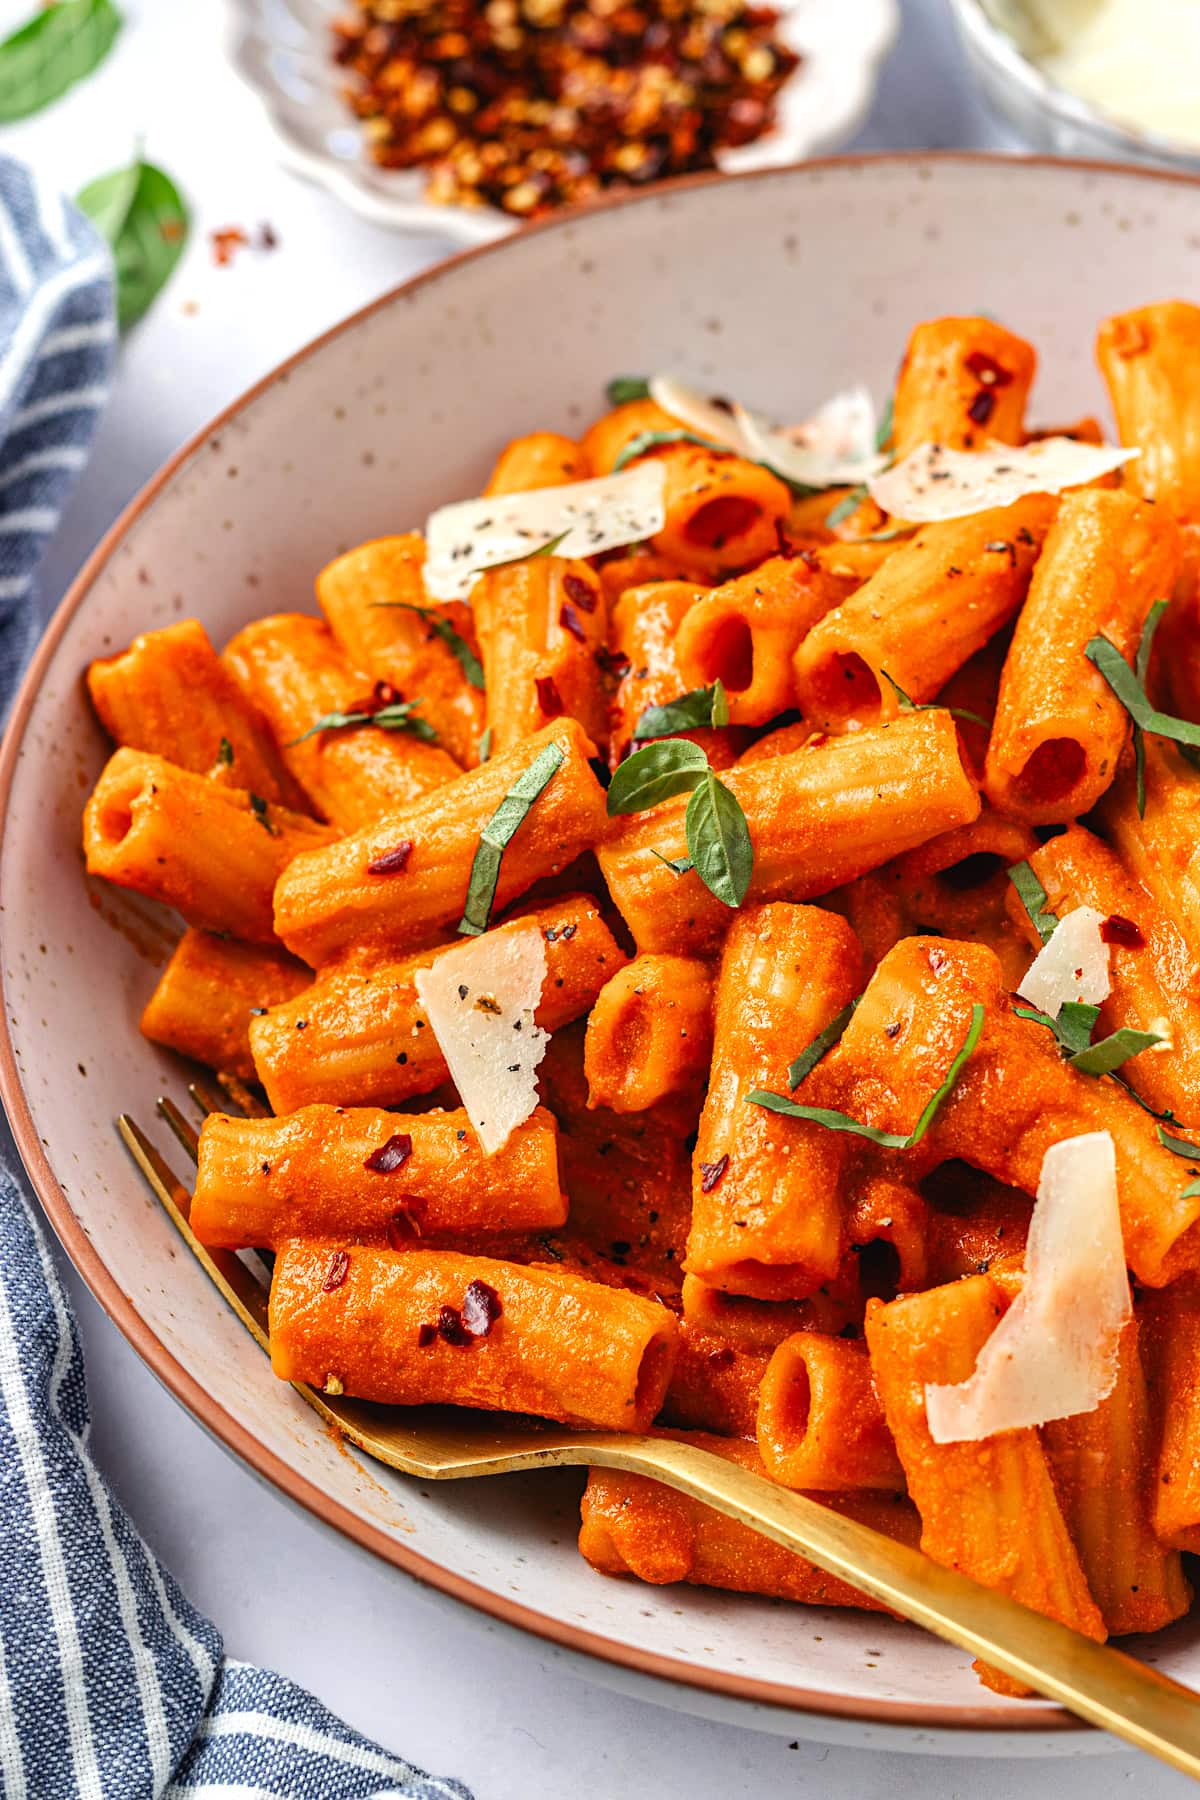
x: 232, y: 1432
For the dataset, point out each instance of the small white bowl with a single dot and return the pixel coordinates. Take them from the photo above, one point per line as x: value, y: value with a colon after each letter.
x: 282, y: 50
x: 1046, y: 115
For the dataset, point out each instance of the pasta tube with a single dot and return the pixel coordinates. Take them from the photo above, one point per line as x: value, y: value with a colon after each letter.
x: 635, y: 1526
x: 1170, y: 1321
x: 541, y: 459
x: 1102, y: 1466
x: 603, y: 443
x: 346, y: 897
x: 209, y: 993
x: 363, y: 1173
x: 213, y: 853
x: 820, y: 1424
x: 296, y: 674
x: 746, y: 632
x: 650, y: 1033
x: 714, y: 1386
x: 646, y: 622
x: 359, y: 1036
x: 1159, y: 849
x: 817, y: 817
x: 988, y: 1509
x: 976, y: 1226
x: 169, y: 695
x: 963, y: 382
x: 1059, y: 728
x: 540, y: 625
x: 432, y: 1326
x: 931, y: 606
x: 722, y: 513
x: 767, y: 1219
x: 755, y: 1324
x: 1148, y: 358
x: 375, y: 602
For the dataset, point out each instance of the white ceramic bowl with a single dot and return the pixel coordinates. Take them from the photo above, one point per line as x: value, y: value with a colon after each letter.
x: 281, y: 49
x: 779, y: 287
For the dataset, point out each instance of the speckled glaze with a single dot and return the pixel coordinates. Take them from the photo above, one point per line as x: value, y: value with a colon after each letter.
x: 778, y: 287
x: 280, y: 48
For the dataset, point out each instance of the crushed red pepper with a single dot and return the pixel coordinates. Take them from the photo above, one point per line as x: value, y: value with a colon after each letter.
x: 530, y: 105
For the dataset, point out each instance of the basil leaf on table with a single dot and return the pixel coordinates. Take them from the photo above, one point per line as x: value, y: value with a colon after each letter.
x: 142, y: 214
x: 718, y: 840
x: 54, y: 50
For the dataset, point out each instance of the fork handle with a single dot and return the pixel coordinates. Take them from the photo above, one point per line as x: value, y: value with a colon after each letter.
x: 1101, y: 1685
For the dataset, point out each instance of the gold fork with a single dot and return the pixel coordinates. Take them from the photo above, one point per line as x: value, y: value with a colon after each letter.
x: 1100, y: 1684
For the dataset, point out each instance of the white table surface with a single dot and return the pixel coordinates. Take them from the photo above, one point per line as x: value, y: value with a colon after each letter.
x: 437, y: 1685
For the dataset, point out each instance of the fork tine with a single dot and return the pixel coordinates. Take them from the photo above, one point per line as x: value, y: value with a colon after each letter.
x: 207, y: 1098
x: 242, y: 1096
x: 222, y: 1267
x: 179, y: 1125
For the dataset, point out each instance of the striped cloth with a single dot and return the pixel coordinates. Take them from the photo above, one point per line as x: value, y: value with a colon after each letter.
x: 112, y: 1687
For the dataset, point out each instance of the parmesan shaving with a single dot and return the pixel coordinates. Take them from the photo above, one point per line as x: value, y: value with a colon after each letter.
x: 836, y: 445
x: 480, y: 999
x: 932, y: 482
x: 1072, y: 965
x: 1054, y: 1353
x: 588, y: 516
x: 697, y: 413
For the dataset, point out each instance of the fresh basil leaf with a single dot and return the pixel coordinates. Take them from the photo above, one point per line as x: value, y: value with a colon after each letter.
x: 718, y: 840
x: 1033, y: 898
x: 892, y: 1140
x: 546, y: 549
x: 485, y: 743
x: 883, y: 430
x: 401, y: 715
x: 690, y: 712
x: 1190, y: 1191
x: 471, y: 666
x: 1141, y: 666
x: 55, y: 49
x: 824, y: 1041
x: 849, y: 503
x: 1112, y: 1051
x: 655, y: 440
x: 1073, y: 1027
x: 1105, y: 656
x: 656, y: 773
x: 908, y: 705
x: 1178, y: 1146
x: 498, y: 833
x: 678, y: 865
x: 142, y: 214
x: 624, y: 388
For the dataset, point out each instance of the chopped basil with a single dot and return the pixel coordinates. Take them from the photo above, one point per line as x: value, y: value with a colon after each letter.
x: 142, y: 214
x: 471, y: 666
x: 1073, y: 1027
x: 498, y: 833
x: 53, y: 50
x: 1106, y: 1056
x: 1178, y: 1146
x: 1033, y: 898
x: 908, y: 705
x: 655, y: 773
x: 258, y: 807
x: 646, y: 441
x: 849, y: 503
x: 546, y: 549
x: 1140, y: 668
x: 718, y: 840
x: 703, y: 706
x: 883, y: 430
x: 225, y: 754
x: 824, y: 1041
x: 1129, y: 690
x: 678, y: 865
x: 485, y: 744
x: 624, y: 388
x: 1190, y: 1191
x: 892, y: 1140
x: 401, y: 715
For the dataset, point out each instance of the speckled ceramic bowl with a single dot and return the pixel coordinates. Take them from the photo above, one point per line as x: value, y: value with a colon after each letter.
x: 778, y: 287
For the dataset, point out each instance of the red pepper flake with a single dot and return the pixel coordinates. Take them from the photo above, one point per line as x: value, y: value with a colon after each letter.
x: 390, y: 1156
x: 392, y: 862
x: 548, y: 696
x: 402, y: 1228
x: 336, y: 1273
x: 570, y: 621
x: 982, y: 407
x: 581, y: 592
x: 711, y: 1173
x: 425, y: 1335
x: 613, y: 662
x: 987, y: 370
x: 1117, y: 929
x: 450, y: 1326
x: 721, y: 1359
x: 481, y: 1308
x: 225, y: 243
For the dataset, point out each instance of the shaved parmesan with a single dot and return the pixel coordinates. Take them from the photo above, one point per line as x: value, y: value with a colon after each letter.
x: 480, y: 998
x: 588, y: 516
x: 932, y: 482
x: 836, y: 445
x: 1054, y: 1353
x: 1072, y: 965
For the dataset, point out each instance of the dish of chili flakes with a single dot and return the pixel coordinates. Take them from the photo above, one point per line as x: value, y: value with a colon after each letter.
x: 531, y: 105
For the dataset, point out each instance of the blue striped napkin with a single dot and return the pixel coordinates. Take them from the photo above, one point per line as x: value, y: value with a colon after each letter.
x: 112, y: 1687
